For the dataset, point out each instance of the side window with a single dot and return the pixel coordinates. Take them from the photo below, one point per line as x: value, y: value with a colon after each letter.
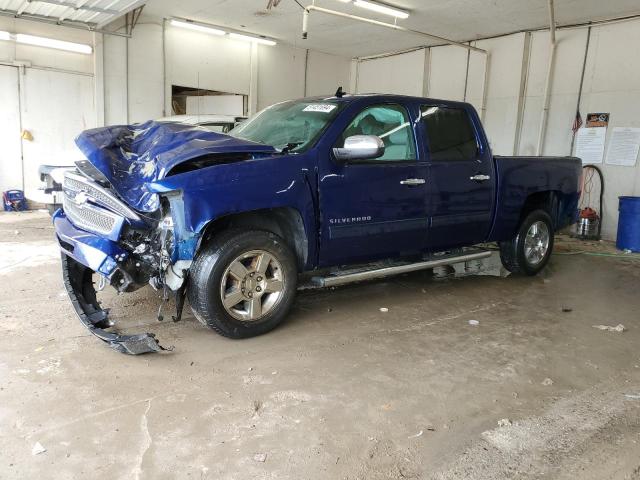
x: 392, y: 124
x: 449, y: 134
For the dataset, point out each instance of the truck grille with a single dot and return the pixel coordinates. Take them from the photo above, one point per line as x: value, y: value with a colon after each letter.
x: 97, y: 194
x: 88, y: 217
x: 93, y: 208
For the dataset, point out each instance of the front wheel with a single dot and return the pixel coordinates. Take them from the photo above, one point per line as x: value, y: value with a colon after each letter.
x: 529, y: 251
x: 243, y: 283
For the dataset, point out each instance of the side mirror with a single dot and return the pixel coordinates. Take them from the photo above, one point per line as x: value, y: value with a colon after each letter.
x: 360, y: 147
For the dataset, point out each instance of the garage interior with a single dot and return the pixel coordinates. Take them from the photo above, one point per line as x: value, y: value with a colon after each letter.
x: 437, y: 374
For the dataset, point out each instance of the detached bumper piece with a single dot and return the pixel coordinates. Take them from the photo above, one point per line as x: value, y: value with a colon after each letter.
x: 79, y: 284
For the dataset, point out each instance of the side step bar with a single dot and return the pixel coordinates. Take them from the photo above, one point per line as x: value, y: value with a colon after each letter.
x: 342, y: 279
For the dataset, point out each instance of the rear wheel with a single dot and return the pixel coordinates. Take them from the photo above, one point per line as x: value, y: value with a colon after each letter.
x: 529, y: 251
x: 243, y: 283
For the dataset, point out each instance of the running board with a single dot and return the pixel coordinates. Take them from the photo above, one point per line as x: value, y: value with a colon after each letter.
x: 342, y: 279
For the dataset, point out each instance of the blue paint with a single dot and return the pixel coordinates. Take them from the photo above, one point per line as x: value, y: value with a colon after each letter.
x: 91, y: 250
x: 629, y: 224
x: 130, y: 156
x: 351, y: 212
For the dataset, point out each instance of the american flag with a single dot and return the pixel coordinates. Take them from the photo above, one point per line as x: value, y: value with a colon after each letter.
x: 577, y: 122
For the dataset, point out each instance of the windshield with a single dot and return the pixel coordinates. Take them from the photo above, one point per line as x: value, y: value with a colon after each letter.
x: 294, y: 126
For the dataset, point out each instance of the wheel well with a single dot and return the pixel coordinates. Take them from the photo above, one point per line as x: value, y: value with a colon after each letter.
x: 547, y: 201
x: 285, y: 222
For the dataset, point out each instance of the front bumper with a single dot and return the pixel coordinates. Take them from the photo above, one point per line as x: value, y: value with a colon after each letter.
x: 83, y: 254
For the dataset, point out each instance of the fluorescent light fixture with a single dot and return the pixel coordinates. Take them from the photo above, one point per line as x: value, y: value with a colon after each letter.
x: 5, y: 35
x: 52, y: 43
x: 248, y: 38
x: 197, y: 27
x: 380, y: 8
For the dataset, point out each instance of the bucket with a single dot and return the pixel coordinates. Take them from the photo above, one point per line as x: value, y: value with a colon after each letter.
x: 629, y: 224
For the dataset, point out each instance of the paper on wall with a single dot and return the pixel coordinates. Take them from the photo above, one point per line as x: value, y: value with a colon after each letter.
x: 624, y: 145
x: 590, y: 144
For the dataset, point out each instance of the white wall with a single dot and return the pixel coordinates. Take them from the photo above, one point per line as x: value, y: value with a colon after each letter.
x: 209, y: 62
x: 448, y: 73
x: 51, y: 96
x: 612, y: 84
x: 400, y: 74
x: 198, y: 60
x: 516, y: 80
x: 325, y: 73
x: 280, y: 74
x: 46, y: 57
x: 115, y: 80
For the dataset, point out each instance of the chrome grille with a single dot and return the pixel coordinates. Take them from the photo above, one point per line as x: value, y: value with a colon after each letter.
x: 88, y: 217
x: 74, y: 183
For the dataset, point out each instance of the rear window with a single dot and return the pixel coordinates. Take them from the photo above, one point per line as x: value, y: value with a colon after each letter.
x: 450, y: 135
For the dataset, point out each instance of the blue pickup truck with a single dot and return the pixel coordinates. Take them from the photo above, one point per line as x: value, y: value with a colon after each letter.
x: 335, y: 190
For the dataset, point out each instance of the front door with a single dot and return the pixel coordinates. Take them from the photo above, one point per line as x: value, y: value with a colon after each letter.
x: 377, y: 208
x: 461, y: 182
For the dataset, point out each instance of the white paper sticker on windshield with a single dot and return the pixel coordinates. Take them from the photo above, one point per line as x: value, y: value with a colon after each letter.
x: 319, y: 107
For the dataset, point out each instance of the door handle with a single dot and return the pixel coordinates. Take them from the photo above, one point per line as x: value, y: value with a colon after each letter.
x: 413, y: 181
x: 480, y: 178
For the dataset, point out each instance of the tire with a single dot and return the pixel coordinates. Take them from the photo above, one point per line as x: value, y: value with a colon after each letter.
x: 515, y: 254
x: 219, y: 261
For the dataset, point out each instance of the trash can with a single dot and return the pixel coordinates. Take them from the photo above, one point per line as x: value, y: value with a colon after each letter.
x: 629, y: 224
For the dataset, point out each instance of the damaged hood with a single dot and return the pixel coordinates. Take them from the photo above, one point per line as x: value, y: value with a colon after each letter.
x: 131, y: 156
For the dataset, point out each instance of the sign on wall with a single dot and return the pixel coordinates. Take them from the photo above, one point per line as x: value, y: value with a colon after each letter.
x: 590, y: 144
x: 624, y: 145
x: 597, y: 120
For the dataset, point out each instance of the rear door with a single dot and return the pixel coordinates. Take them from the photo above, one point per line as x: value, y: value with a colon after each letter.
x: 461, y: 179
x: 376, y: 208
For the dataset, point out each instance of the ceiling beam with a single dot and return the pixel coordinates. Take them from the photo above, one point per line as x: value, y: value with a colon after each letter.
x: 87, y: 27
x: 74, y: 6
x: 129, y: 8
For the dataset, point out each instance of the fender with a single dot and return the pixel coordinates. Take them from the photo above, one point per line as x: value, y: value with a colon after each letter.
x: 201, y: 196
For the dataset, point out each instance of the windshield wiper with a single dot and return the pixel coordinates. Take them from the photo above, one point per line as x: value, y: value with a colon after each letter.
x: 290, y: 146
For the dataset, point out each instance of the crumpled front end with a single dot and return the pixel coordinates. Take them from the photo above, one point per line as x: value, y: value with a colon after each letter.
x: 98, y: 233
x: 117, y: 221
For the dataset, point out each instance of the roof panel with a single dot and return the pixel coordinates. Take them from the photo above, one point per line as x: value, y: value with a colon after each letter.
x: 89, y: 12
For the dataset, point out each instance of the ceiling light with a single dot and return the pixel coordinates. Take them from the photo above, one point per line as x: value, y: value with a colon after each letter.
x: 247, y: 38
x: 197, y: 28
x: 378, y: 7
x: 5, y: 35
x: 51, y: 43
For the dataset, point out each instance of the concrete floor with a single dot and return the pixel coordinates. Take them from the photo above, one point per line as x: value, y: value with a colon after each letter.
x: 340, y: 391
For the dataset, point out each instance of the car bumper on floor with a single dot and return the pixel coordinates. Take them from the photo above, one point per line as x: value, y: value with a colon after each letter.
x: 83, y: 254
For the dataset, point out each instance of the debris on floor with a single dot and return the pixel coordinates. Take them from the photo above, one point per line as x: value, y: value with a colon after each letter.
x: 38, y: 449
x: 504, y: 422
x: 260, y: 457
x: 547, y: 381
x: 618, y: 328
x: 384, y: 309
x: 419, y: 434
x: 567, y: 309
x: 475, y: 323
x: 633, y: 396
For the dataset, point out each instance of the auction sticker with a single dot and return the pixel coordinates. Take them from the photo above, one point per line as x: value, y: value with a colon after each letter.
x: 319, y: 107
